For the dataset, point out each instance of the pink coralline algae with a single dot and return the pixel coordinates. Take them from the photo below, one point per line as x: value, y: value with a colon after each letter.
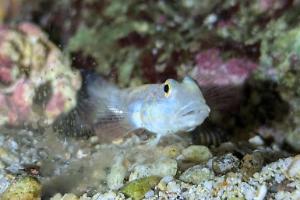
x: 37, y: 83
x: 211, y: 69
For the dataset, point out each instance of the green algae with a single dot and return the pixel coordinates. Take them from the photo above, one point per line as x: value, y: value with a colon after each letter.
x: 280, y: 62
x: 137, y: 188
x: 25, y: 188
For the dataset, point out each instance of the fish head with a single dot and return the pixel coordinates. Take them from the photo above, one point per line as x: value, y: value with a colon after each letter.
x: 175, y: 107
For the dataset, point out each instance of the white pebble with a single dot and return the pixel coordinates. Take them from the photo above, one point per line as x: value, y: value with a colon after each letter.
x: 117, y: 174
x: 256, y: 140
x: 294, y: 168
x: 262, y: 192
x: 162, y: 167
x: 149, y: 194
x: 167, y: 179
x: 173, y: 187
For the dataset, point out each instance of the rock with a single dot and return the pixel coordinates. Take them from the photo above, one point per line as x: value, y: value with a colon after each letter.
x: 138, y: 188
x: 262, y: 192
x: 165, y: 167
x: 149, y: 194
x: 294, y: 168
x: 172, y: 151
x: 196, y: 154
x: 279, y: 58
x: 25, y: 188
x: 211, y: 69
x: 36, y: 79
x: 7, y: 157
x: 251, y: 163
x: 56, y: 197
x: 197, y: 174
x: 162, y: 185
x: 117, y: 174
x: 4, y: 182
x: 225, y: 163
x: 161, y: 167
x: 173, y: 187
x: 106, y: 196
x: 293, y: 139
x: 256, y: 140
x: 68, y: 196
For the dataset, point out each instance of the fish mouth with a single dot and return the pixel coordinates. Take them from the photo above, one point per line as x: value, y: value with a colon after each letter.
x: 194, y: 110
x: 194, y: 117
x: 191, y: 116
x: 191, y: 112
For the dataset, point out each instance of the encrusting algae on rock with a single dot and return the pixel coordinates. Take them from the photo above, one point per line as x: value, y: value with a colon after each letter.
x: 25, y: 188
x: 137, y: 189
x: 37, y: 83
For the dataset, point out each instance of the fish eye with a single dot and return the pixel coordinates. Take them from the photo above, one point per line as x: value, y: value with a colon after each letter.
x: 167, y: 89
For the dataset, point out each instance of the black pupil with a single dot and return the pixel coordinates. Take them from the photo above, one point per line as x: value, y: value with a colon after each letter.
x: 166, y: 88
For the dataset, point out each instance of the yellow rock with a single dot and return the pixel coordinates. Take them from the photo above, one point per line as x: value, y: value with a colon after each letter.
x: 196, y: 153
x: 25, y: 188
x: 137, y: 188
x: 294, y: 168
x: 172, y: 151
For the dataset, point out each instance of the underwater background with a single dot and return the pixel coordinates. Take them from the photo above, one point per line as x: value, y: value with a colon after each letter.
x: 244, y: 55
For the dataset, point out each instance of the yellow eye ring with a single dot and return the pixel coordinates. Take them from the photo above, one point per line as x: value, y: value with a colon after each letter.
x: 167, y: 89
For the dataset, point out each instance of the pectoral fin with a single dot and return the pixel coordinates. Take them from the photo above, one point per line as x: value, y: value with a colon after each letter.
x: 105, y: 109
x: 101, y: 110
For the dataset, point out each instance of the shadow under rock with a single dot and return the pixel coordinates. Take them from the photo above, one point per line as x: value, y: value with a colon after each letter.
x: 237, y: 111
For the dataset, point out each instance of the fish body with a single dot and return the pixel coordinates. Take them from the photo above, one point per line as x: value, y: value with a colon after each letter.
x: 162, y: 109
